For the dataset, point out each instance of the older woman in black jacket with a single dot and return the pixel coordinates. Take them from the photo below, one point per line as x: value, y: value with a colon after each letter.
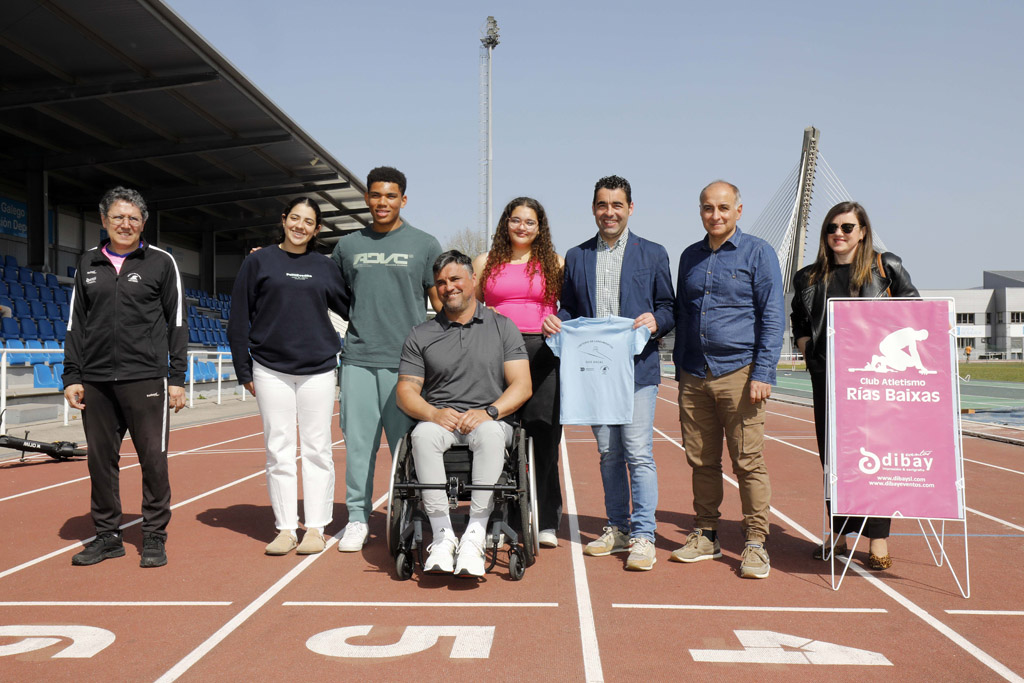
x: 847, y: 265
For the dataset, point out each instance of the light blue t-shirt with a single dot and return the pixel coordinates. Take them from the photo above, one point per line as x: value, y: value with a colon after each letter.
x: 597, y: 369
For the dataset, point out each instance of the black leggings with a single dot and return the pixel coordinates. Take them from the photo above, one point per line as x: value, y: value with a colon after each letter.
x: 540, y: 419
x: 876, y: 527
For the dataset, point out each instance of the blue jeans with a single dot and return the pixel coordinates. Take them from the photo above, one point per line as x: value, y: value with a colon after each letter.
x: 627, y: 466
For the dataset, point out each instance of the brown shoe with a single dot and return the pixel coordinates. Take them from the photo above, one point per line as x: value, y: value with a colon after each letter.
x: 312, y: 543
x: 879, y: 563
x: 282, y: 545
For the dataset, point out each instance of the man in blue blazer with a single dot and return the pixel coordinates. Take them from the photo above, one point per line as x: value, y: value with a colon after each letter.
x: 618, y: 273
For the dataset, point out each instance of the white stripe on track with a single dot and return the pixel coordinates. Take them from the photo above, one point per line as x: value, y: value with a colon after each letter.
x: 996, y: 467
x: 986, y: 613
x: 996, y: 519
x: 126, y: 467
x: 592, y: 670
x: 420, y: 604
x: 227, y: 629
x: 97, y: 603
x: 969, y: 647
x: 753, y: 608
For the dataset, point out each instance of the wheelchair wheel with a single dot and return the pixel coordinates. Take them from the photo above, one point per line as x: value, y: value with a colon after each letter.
x: 516, y: 568
x: 399, y: 509
x: 527, y: 503
x: 403, y: 566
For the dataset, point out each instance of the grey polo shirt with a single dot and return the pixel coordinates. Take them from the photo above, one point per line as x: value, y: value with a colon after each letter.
x: 462, y: 366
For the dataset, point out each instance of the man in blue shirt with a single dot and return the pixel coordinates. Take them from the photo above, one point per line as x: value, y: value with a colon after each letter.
x: 619, y: 273
x: 729, y: 317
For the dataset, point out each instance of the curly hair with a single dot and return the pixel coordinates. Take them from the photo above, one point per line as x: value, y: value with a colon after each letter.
x: 543, y: 257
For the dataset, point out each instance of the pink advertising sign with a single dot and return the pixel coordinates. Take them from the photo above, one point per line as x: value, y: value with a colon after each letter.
x: 894, y: 430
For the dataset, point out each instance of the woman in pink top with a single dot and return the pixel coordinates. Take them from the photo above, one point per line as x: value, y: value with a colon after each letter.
x: 521, y: 278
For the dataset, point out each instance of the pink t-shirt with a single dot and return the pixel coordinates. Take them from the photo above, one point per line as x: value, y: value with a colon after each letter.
x: 514, y: 293
x: 116, y: 259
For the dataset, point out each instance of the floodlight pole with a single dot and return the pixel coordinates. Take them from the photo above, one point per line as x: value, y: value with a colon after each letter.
x: 488, y: 42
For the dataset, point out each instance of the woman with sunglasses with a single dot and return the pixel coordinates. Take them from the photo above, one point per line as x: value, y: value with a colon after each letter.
x: 284, y: 349
x: 847, y: 266
x: 521, y: 278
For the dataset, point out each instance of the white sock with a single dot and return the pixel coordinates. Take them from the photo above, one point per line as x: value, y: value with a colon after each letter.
x: 441, y: 526
x: 477, y: 527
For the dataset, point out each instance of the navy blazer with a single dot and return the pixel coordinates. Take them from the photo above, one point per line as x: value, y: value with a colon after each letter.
x: 645, y: 286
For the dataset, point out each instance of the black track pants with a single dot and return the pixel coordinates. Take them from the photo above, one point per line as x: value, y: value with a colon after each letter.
x: 140, y: 408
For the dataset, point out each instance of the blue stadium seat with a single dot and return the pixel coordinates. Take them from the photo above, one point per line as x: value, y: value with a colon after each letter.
x: 45, y: 326
x: 51, y: 280
x: 10, y: 273
x: 60, y: 330
x: 71, y: 271
x: 11, y: 260
x: 36, y: 358
x: 38, y: 279
x: 58, y: 374
x: 53, y: 346
x: 31, y: 292
x: 37, y: 308
x: 22, y: 309
x: 3, y: 288
x: 25, y: 275
x: 16, y: 290
x: 6, y: 301
x: 61, y: 296
x: 9, y: 328
x: 29, y: 329
x: 193, y: 335
x: 65, y: 311
x: 42, y: 377
x: 45, y: 294
x: 52, y: 311
x: 16, y: 358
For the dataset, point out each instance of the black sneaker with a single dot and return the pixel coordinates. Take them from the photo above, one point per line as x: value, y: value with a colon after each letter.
x: 107, y: 544
x: 153, y: 554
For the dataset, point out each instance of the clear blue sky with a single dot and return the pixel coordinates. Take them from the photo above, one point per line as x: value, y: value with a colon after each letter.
x: 919, y: 106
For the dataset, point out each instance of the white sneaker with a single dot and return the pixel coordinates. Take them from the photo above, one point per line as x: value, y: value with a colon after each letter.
x: 441, y: 559
x: 470, y: 560
x: 354, y: 538
x: 548, y: 538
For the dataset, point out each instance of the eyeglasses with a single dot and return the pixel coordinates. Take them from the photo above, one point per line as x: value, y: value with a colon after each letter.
x: 515, y: 221
x: 134, y: 221
x: 847, y: 228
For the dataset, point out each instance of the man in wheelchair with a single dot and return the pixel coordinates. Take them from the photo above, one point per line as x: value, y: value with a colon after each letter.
x: 460, y: 376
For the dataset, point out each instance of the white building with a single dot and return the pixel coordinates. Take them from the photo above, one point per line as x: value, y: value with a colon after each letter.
x: 990, y: 319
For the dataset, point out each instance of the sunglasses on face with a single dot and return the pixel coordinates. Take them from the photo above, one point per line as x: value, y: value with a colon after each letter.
x: 846, y: 227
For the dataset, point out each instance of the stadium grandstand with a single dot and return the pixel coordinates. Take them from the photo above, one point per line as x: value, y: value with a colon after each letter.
x: 82, y: 110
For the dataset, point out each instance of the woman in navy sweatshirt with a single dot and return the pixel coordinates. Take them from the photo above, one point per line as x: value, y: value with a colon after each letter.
x: 284, y: 350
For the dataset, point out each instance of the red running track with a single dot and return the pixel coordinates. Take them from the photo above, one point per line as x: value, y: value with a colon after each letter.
x: 223, y: 611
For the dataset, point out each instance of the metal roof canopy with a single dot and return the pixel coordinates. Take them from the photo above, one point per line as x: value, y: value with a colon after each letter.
x: 97, y: 94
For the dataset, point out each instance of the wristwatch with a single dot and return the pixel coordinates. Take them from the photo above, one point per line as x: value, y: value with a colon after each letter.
x: 492, y: 412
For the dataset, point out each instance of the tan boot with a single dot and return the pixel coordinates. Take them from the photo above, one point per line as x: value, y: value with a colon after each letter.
x: 283, y: 544
x: 312, y: 543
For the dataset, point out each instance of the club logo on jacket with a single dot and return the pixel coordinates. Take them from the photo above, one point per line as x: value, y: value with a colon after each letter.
x: 134, y: 277
x: 299, y: 276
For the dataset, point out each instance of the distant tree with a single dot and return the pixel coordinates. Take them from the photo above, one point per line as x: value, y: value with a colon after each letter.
x: 469, y: 241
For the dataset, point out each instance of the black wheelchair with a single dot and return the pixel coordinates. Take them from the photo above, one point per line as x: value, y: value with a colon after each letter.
x: 512, y: 527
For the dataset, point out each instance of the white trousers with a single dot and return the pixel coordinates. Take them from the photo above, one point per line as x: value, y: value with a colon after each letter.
x: 487, y: 441
x: 307, y: 401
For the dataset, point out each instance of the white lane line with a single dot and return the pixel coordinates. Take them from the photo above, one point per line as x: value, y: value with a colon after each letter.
x: 788, y: 520
x: 751, y: 608
x: 98, y: 603
x: 969, y: 647
x: 592, y: 670
x: 138, y: 520
x: 987, y: 613
x: 996, y: 519
x: 419, y: 604
x: 126, y: 467
x: 995, y: 467
x: 227, y: 629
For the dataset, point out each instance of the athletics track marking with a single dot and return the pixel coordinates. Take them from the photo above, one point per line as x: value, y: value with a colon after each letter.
x: 969, y: 647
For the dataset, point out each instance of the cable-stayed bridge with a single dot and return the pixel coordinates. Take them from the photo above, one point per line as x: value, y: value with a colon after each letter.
x: 798, y: 207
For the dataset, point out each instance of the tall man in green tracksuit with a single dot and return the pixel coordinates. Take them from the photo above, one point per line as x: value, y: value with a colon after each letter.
x: 388, y: 269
